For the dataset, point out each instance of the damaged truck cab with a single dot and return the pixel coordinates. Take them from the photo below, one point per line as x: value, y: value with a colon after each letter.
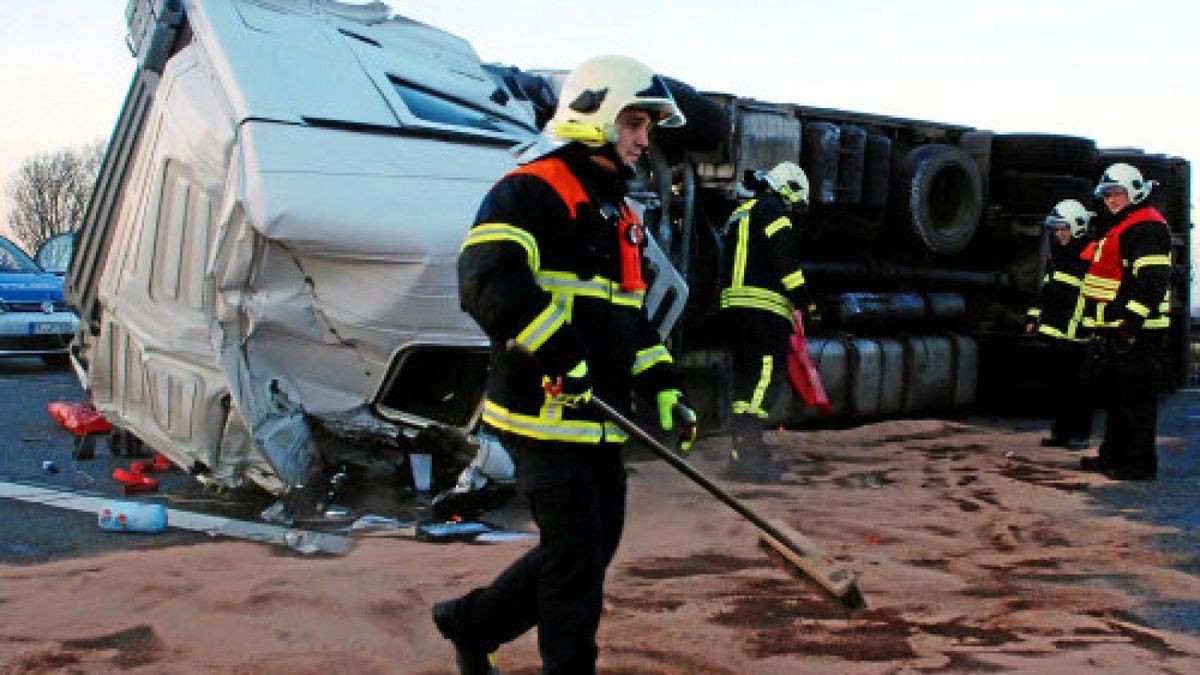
x: 266, y: 274
x: 266, y: 278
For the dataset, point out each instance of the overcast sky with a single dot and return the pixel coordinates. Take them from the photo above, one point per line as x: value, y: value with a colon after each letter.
x: 1124, y: 73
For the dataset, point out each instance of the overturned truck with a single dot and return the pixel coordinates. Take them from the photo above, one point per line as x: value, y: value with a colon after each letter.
x: 266, y: 272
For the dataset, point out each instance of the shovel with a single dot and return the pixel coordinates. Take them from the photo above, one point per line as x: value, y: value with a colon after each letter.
x: 794, y: 549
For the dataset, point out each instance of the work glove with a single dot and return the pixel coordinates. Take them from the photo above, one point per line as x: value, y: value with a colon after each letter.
x: 573, y: 389
x: 672, y: 404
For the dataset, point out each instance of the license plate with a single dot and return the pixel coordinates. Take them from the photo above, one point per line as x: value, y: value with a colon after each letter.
x: 49, y: 328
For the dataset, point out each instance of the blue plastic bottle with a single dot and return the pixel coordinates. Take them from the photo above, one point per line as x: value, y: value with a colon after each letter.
x: 119, y: 516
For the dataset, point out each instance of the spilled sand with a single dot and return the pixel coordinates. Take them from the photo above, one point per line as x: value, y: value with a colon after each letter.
x: 976, y: 550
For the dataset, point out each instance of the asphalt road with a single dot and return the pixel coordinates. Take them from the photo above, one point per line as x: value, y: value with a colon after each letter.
x: 33, y: 533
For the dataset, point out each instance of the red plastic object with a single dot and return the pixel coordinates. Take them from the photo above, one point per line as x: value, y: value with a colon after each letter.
x: 158, y: 464
x: 802, y: 373
x: 79, y: 418
x: 134, y: 481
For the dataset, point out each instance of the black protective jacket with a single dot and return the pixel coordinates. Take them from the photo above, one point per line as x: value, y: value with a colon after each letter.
x: 1059, y: 304
x: 541, y: 272
x: 761, y: 266
x: 1127, y: 283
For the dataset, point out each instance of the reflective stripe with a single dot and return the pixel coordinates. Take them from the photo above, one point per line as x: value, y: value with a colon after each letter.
x: 1099, y: 288
x: 742, y: 250
x: 1034, y: 312
x: 757, y: 298
x: 1138, y: 308
x: 754, y: 405
x: 545, y: 323
x: 492, y: 232
x: 1159, y: 322
x: 1151, y: 261
x: 780, y: 223
x: 569, y: 283
x: 1067, y: 279
x: 650, y: 357
x: 1051, y: 331
x: 571, y: 431
x: 793, y: 280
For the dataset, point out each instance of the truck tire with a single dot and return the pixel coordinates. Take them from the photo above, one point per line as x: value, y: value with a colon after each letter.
x: 707, y: 122
x: 944, y: 196
x: 1037, y: 193
x: 1044, y: 153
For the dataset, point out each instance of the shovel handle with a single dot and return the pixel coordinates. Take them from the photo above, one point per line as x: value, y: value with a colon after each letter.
x: 688, y: 470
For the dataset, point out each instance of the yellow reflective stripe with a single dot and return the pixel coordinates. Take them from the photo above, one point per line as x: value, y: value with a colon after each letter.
x: 1158, y: 322
x: 545, y: 323
x: 1052, y: 332
x: 530, y: 426
x: 1045, y: 279
x: 740, y: 253
x: 754, y: 405
x: 568, y: 283
x: 1067, y: 279
x: 757, y: 298
x: 493, y: 232
x: 1138, y: 308
x: 650, y: 357
x: 1151, y: 261
x: 1100, y: 288
x: 1093, y: 281
x: 1034, y: 312
x: 793, y: 280
x: 780, y: 223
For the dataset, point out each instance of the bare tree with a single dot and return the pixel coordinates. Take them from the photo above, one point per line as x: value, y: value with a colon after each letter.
x: 50, y: 192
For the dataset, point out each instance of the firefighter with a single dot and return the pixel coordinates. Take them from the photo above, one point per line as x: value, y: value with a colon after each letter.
x: 1126, y: 289
x: 1056, y: 315
x: 761, y: 284
x: 551, y: 271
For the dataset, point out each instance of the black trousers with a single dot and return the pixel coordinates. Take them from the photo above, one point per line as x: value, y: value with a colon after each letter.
x: 758, y: 344
x: 577, y: 498
x: 1126, y: 378
x: 1073, y: 404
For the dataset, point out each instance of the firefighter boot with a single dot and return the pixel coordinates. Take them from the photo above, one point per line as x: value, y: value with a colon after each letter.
x: 750, y: 459
x: 471, y: 660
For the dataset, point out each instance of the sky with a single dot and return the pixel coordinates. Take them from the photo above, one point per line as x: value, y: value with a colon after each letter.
x: 1124, y: 73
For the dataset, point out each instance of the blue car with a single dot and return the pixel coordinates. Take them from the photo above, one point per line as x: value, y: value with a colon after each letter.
x: 34, y: 317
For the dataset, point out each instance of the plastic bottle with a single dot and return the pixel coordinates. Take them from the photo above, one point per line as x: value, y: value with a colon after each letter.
x: 121, y: 516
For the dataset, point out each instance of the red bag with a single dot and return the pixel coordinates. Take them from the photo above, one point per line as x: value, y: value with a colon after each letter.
x: 802, y: 373
x: 79, y: 418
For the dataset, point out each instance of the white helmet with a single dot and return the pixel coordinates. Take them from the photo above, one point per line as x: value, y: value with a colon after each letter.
x: 1071, y: 213
x: 789, y: 181
x: 599, y: 89
x: 1121, y: 176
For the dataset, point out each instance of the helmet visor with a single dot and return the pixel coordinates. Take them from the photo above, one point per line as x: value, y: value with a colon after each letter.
x: 657, y: 97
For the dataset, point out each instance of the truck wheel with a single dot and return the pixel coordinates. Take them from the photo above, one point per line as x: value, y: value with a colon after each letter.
x: 1045, y: 153
x: 1037, y: 193
x: 944, y: 196
x: 707, y: 122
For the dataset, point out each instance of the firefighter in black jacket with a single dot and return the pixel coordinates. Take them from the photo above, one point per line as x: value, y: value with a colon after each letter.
x: 1126, y: 289
x: 551, y: 271
x: 1056, y: 315
x: 761, y: 284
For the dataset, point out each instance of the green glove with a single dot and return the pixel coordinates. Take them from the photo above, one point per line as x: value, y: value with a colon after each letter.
x: 671, y: 403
